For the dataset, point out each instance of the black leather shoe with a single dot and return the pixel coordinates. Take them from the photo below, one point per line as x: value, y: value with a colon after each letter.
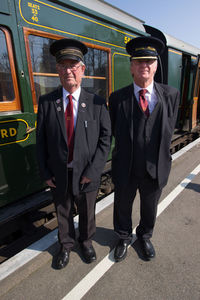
x: 147, y: 248
x: 62, y: 259
x: 88, y: 253
x: 121, y: 250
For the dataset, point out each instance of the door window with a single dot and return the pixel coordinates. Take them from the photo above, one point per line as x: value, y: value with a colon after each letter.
x: 9, y: 97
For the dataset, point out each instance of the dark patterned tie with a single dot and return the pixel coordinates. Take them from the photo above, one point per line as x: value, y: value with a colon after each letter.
x: 143, y: 102
x: 69, y: 120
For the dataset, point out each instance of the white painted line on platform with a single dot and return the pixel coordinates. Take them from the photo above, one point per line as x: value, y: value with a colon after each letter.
x: 23, y: 257
x: 26, y: 255
x: 99, y: 270
x: 166, y: 202
x: 185, y: 149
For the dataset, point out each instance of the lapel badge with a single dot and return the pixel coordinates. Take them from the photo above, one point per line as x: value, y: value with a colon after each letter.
x: 58, y: 108
x: 83, y: 105
x: 58, y: 101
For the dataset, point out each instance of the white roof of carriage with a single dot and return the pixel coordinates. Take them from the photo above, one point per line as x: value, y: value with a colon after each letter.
x: 112, y: 12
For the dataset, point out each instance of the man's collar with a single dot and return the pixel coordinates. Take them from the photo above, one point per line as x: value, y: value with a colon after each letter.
x: 75, y: 94
x: 138, y: 88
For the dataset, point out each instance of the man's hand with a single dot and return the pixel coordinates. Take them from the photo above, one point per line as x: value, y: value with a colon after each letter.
x: 85, y: 180
x: 51, y: 182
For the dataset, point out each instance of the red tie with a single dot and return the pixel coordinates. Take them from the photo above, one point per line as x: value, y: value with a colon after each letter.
x: 143, y: 102
x: 69, y: 121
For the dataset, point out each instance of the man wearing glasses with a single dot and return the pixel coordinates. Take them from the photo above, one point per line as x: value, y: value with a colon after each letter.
x: 73, y: 141
x: 143, y: 117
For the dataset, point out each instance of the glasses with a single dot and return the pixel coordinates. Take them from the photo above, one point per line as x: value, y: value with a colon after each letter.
x: 64, y: 67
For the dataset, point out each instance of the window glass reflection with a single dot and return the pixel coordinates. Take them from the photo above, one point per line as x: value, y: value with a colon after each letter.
x: 6, y: 83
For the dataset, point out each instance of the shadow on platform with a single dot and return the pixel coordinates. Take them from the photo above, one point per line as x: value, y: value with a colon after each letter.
x: 193, y: 186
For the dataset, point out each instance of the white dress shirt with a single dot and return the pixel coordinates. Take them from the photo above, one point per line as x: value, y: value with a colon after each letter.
x: 150, y: 95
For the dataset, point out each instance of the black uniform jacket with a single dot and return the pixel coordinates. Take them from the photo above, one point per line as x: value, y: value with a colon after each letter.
x: 91, y: 143
x: 121, y: 111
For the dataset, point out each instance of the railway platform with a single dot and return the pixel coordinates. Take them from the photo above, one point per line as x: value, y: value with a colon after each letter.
x: 172, y: 275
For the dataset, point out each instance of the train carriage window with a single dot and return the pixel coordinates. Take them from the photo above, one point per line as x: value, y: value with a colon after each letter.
x: 96, y: 74
x: 6, y: 84
x: 43, y: 68
x: 9, y: 96
x: 43, y: 65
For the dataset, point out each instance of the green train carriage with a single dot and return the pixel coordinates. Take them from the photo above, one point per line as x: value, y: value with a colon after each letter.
x: 27, y: 28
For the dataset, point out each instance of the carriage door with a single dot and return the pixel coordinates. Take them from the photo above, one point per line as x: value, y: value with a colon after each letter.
x: 196, y: 94
x: 186, y: 83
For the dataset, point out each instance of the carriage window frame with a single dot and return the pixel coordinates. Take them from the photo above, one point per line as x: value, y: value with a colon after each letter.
x: 29, y: 31
x: 15, y: 104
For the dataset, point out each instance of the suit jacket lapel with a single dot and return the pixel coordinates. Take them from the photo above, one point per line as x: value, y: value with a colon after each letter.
x: 59, y: 109
x: 162, y: 99
x: 127, y: 104
x: 83, y: 107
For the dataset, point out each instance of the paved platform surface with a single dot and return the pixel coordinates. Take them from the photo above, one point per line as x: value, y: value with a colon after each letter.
x: 174, y: 274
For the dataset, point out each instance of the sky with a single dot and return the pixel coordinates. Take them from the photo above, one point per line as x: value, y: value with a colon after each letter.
x: 179, y: 18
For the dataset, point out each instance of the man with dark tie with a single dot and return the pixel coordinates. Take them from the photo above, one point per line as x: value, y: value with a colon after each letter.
x: 73, y: 141
x: 143, y: 117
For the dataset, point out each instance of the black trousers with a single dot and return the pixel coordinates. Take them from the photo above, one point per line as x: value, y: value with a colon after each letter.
x: 86, y: 203
x: 123, y: 202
